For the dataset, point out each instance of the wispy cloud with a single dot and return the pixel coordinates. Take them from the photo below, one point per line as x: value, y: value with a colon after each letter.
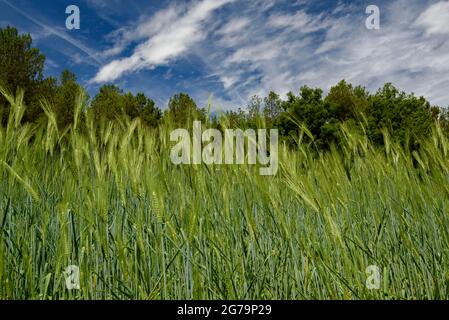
x: 240, y: 48
x: 287, y: 50
x: 169, y: 34
x: 435, y: 19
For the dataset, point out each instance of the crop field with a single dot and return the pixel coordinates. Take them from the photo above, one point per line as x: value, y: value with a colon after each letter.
x: 107, y: 198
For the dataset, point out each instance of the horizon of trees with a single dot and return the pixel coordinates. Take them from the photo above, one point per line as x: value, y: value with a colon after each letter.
x: 407, y: 118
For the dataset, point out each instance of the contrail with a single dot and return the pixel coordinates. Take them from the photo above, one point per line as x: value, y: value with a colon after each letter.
x: 58, y: 33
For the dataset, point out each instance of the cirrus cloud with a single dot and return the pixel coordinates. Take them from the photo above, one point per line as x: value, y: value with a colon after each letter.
x: 170, y: 34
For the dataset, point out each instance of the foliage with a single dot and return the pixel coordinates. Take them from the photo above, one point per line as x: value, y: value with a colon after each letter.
x: 65, y: 98
x: 407, y: 118
x: 21, y: 66
x: 111, y: 103
x: 107, y: 198
x: 182, y: 110
x: 111, y: 202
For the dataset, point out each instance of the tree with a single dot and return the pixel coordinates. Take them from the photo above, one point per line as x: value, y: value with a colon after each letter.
x: 147, y: 110
x: 272, y: 108
x: 309, y: 109
x: 254, y: 107
x: 67, y: 94
x: 140, y: 106
x: 408, y: 119
x: 107, y: 104
x: 347, y: 102
x: 67, y: 77
x: 111, y: 102
x: 182, y: 110
x: 21, y: 66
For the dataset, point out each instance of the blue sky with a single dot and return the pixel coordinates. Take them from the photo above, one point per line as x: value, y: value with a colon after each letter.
x: 232, y: 49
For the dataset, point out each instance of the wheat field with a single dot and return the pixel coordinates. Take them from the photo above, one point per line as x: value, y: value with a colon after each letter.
x: 107, y: 198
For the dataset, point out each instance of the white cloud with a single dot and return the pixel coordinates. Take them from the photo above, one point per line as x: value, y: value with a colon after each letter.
x: 234, y: 26
x: 435, y: 19
x: 260, y: 46
x: 287, y: 51
x: 266, y: 53
x: 398, y: 53
x: 299, y: 22
x: 169, y: 34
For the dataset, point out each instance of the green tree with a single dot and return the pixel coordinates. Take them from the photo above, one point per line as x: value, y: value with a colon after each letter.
x: 140, y: 106
x: 147, y: 110
x: 108, y: 103
x: 182, y: 110
x: 111, y: 103
x: 272, y: 106
x: 21, y: 66
x: 66, y: 97
x: 254, y: 107
x: 347, y: 102
x: 309, y: 109
x: 408, y: 119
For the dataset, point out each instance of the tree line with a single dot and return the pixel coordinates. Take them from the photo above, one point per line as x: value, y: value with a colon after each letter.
x: 406, y: 117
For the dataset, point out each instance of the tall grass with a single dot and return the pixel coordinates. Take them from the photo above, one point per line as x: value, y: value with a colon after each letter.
x: 108, y: 199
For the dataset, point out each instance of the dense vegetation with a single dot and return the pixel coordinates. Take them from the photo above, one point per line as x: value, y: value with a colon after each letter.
x: 108, y: 199
x: 89, y: 182
x: 407, y: 117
